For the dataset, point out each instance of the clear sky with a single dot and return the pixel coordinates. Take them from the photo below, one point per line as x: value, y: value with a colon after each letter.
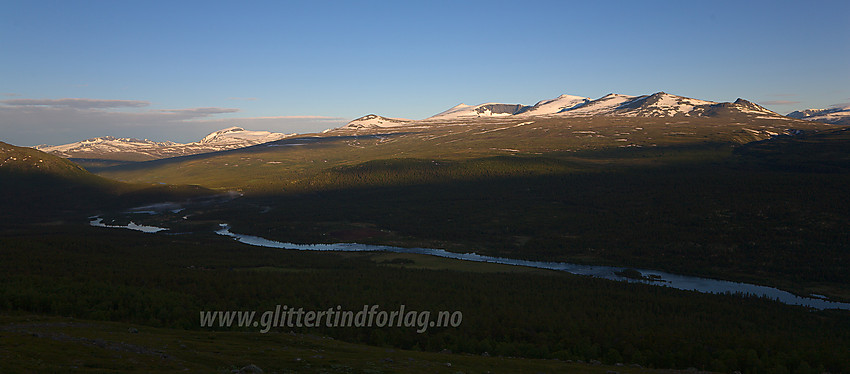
x: 176, y: 70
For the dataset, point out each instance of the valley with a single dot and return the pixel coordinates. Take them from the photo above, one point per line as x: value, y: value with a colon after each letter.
x: 730, y: 192
x: 553, y: 189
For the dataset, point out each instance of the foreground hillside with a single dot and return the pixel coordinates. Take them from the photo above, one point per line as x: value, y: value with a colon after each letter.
x: 37, y: 186
x: 25, y: 160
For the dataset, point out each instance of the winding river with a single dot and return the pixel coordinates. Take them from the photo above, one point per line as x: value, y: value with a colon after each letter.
x: 681, y: 282
x: 98, y: 222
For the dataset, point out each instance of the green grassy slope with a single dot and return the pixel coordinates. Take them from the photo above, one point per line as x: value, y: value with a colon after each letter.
x: 25, y: 160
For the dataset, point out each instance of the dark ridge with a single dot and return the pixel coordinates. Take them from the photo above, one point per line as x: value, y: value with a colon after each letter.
x: 501, y: 108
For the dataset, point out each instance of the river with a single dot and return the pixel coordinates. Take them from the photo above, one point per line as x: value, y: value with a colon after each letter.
x: 658, y: 278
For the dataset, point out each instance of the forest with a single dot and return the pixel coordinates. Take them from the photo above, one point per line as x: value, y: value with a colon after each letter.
x: 163, y: 281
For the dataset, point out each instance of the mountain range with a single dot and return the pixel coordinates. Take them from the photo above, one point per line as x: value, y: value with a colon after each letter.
x: 656, y: 105
x: 130, y: 149
x: 660, y: 104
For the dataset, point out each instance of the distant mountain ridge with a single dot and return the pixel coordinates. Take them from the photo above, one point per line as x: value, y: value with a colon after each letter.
x: 838, y: 115
x: 131, y: 149
x: 659, y: 104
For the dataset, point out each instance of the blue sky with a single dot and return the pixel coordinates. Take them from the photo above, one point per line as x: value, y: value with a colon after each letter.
x: 176, y: 70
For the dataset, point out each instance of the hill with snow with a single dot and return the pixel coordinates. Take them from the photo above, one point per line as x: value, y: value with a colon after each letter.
x: 239, y: 137
x: 130, y: 149
x: 375, y: 121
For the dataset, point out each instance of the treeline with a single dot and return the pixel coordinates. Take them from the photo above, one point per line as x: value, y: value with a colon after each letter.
x: 166, y: 280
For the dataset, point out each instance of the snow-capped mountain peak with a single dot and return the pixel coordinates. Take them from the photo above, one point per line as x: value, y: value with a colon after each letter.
x: 662, y: 104
x: 238, y: 135
x: 375, y: 121
x: 456, y: 108
x: 752, y: 107
x: 220, y: 133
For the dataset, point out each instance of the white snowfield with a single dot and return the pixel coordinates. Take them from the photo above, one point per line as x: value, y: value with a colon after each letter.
x: 659, y: 104
x: 229, y: 138
x: 559, y: 104
x: 460, y: 110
